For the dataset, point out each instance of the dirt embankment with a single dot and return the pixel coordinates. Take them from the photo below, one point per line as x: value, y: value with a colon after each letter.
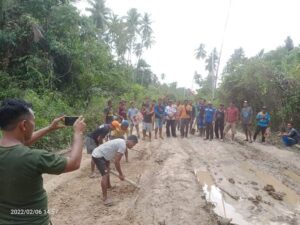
x: 185, y: 181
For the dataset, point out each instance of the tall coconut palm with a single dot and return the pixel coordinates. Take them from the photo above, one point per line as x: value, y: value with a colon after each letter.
x: 99, y: 13
x: 200, y: 52
x: 146, y: 31
x: 119, y: 36
x: 212, y: 61
x: 132, y: 29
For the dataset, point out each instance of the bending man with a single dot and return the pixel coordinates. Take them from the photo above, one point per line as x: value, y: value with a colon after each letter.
x: 106, y: 152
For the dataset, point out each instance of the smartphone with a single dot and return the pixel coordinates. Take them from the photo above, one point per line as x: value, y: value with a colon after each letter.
x: 70, y: 120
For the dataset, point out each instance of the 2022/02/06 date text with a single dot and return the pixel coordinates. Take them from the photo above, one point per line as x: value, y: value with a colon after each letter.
x: 32, y: 211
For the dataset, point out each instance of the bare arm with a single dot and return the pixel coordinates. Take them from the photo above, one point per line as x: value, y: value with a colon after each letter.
x: 42, y: 132
x: 118, y: 166
x: 74, y: 160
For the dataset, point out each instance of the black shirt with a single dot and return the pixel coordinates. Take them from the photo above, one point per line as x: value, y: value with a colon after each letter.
x: 102, y: 131
x: 220, y: 115
x: 293, y: 133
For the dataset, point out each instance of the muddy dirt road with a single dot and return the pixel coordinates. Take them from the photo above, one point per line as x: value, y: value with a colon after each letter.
x: 186, y: 181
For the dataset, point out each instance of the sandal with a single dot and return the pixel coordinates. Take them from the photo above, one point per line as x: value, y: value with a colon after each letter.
x: 108, y: 202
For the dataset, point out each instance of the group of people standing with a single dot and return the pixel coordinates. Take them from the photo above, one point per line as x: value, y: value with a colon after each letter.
x: 187, y: 117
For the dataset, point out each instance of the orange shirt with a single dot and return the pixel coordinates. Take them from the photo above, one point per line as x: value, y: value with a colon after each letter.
x: 185, y: 111
x: 118, y: 132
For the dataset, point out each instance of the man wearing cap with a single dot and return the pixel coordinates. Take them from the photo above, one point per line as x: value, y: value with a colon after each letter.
x: 231, y: 118
x: 263, y: 119
x: 102, y: 155
x: 94, y: 139
x: 246, y: 120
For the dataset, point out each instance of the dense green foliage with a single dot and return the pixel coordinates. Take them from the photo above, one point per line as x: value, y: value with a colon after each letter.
x: 271, y: 79
x: 65, y: 63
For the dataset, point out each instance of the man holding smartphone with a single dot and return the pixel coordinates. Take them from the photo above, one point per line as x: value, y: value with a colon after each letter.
x: 21, y: 168
x: 102, y: 155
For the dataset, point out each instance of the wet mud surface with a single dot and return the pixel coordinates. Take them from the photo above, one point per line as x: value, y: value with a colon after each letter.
x: 186, y: 181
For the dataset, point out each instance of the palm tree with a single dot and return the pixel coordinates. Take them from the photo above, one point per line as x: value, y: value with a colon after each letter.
x: 146, y: 31
x: 99, y: 13
x: 200, y: 52
x: 138, y: 50
x: 132, y: 29
x: 212, y: 61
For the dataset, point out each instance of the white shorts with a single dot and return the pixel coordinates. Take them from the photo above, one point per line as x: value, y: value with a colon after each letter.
x: 147, y: 127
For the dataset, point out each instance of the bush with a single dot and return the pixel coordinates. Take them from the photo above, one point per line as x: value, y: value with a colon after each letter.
x: 47, y: 107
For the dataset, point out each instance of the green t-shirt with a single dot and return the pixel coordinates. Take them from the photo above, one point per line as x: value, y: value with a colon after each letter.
x: 23, y: 200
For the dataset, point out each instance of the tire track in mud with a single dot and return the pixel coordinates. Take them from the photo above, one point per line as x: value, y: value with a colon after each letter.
x: 170, y: 193
x: 225, y: 161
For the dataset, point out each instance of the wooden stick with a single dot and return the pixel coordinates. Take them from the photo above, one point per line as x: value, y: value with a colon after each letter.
x: 126, y: 179
x: 230, y: 195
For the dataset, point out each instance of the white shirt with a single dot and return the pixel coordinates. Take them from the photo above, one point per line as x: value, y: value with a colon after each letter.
x: 109, y: 149
x: 132, y: 112
x: 171, y: 112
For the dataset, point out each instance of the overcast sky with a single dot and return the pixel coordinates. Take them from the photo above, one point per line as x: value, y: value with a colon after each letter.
x: 180, y: 26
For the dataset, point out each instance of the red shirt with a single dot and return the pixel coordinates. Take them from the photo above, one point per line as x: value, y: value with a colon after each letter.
x: 232, y: 114
x: 122, y: 112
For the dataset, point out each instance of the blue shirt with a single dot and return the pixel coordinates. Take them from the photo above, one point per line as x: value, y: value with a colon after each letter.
x: 201, y: 110
x: 159, y: 111
x: 263, y: 120
x: 209, y: 115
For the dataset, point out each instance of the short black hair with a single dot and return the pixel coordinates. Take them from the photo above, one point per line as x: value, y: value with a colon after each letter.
x: 133, y: 138
x: 12, y: 111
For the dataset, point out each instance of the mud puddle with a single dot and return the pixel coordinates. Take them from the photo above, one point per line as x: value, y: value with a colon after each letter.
x: 215, y: 196
x: 289, y: 196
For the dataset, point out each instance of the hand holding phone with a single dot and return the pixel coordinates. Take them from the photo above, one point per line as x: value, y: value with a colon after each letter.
x: 70, y: 120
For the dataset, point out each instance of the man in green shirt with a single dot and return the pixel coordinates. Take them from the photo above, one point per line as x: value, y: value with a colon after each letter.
x: 23, y: 199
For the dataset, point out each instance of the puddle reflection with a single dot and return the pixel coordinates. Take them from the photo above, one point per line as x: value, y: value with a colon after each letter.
x: 215, y: 196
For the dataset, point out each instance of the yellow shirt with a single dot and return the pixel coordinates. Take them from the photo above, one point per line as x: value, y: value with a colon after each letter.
x: 119, y: 132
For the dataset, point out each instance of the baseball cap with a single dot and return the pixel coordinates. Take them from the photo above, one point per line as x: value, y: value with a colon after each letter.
x: 115, y: 123
x: 133, y: 138
x: 125, y: 123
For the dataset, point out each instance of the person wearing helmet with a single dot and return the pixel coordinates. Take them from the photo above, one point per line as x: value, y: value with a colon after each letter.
x: 95, y: 138
x: 120, y: 132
